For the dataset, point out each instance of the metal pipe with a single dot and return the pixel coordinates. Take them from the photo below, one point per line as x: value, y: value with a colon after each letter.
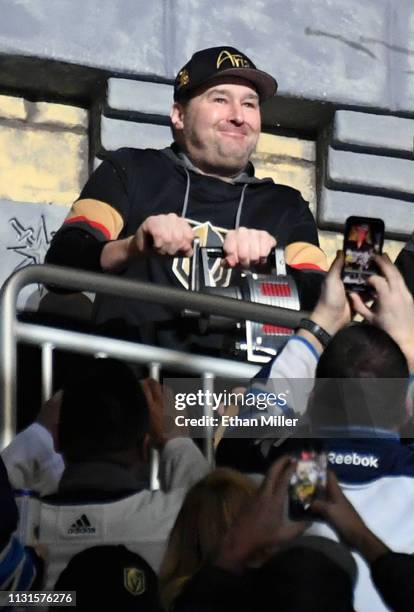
x: 208, y: 389
x: 11, y: 330
x: 8, y: 363
x: 148, y: 292
x: 154, y: 372
x: 131, y: 351
x: 47, y: 371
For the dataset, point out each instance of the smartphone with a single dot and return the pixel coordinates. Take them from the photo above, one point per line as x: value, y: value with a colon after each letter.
x: 363, y: 239
x: 307, y: 483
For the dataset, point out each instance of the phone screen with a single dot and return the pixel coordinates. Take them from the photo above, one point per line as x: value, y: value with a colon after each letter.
x: 363, y: 239
x: 307, y: 483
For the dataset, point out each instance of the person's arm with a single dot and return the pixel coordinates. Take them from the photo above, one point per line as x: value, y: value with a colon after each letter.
x: 19, y: 565
x: 30, y: 458
x: 21, y: 568
x: 75, y: 246
x: 299, y: 357
x: 393, y: 310
x: 182, y: 464
x: 393, y: 576
x: 392, y: 573
x: 305, y: 256
x: 161, y: 234
x: 338, y: 512
x: 262, y: 527
x: 303, y: 251
x: 90, y: 236
x: 332, y: 312
x: 405, y: 263
x: 32, y: 462
x: 96, y: 218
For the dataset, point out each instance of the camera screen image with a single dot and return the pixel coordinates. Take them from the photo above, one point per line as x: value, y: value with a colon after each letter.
x: 308, y: 481
x: 363, y: 240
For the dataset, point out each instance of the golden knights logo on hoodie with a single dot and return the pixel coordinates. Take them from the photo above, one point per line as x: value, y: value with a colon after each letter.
x: 210, y: 236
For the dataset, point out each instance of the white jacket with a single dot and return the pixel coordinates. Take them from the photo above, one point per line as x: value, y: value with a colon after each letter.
x: 141, y: 521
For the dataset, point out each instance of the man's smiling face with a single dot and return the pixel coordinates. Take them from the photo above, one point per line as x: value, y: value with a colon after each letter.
x: 219, y: 127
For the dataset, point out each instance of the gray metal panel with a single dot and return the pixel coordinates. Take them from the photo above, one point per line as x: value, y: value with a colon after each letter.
x: 366, y: 130
x: 336, y: 206
x: 139, y: 96
x: 25, y: 234
x: 116, y: 133
x: 361, y: 172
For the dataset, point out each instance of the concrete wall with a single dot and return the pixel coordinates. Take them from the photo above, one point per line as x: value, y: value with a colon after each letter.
x: 43, y: 165
x: 356, y: 52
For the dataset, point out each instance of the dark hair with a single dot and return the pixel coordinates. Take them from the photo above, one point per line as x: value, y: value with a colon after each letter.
x: 376, y: 384
x: 102, y: 412
x: 302, y: 578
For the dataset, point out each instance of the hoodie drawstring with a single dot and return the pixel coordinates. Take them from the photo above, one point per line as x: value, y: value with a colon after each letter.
x: 187, y: 194
x: 187, y: 197
x: 239, y: 209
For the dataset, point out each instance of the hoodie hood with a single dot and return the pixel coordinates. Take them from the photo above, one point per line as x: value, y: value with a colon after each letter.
x: 181, y: 159
x: 245, y: 178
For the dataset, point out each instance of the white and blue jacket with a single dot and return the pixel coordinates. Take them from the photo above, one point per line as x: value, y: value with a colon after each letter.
x: 375, y: 470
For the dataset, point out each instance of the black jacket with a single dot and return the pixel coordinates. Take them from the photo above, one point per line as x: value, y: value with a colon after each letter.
x: 134, y: 184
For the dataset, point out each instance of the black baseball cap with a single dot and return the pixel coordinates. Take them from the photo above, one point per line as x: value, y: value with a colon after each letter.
x: 110, y: 577
x: 209, y: 64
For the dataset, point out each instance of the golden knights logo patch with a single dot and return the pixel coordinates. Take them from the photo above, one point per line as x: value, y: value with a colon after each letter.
x: 134, y: 580
x: 210, y: 236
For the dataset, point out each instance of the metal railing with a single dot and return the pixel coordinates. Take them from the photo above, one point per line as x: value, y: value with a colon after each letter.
x: 48, y: 338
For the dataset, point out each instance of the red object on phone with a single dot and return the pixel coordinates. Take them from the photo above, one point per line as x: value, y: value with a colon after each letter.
x: 363, y: 239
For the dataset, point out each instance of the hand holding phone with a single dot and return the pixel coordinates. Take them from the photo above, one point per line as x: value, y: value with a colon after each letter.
x: 307, y: 483
x: 363, y: 240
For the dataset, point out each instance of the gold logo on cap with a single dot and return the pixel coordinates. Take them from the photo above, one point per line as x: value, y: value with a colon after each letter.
x: 134, y: 580
x: 236, y: 60
x: 183, y: 77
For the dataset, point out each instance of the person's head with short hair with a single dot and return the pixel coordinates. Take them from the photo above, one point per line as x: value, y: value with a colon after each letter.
x: 310, y: 573
x: 104, y: 414
x: 216, y: 112
x: 112, y: 578
x: 209, y: 509
x: 361, y: 380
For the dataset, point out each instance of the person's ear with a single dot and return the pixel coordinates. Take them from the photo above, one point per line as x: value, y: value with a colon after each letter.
x: 177, y: 116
